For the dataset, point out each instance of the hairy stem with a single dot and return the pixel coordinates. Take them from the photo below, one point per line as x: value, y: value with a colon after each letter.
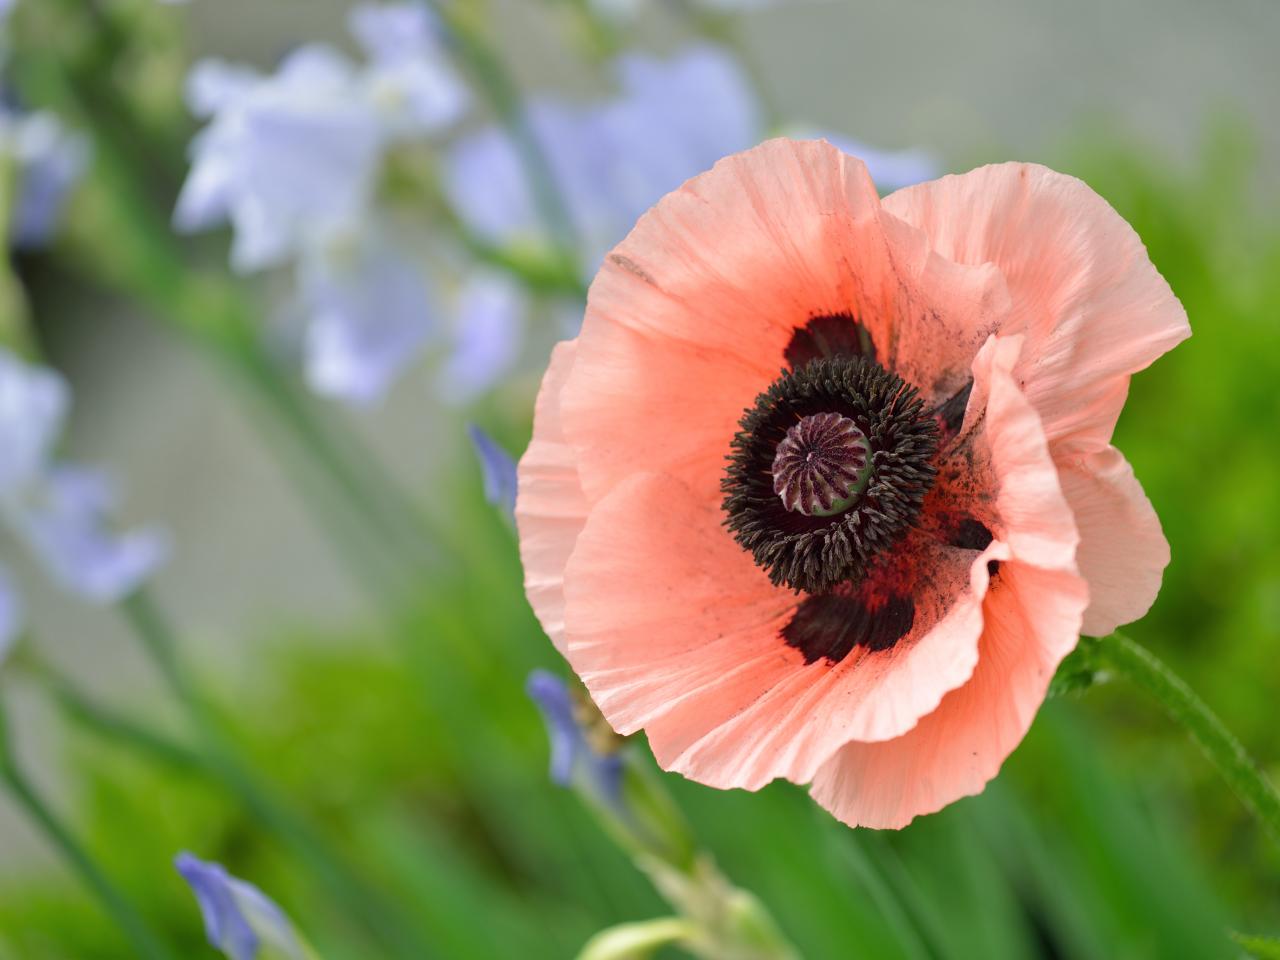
x: 1144, y: 669
x: 503, y: 95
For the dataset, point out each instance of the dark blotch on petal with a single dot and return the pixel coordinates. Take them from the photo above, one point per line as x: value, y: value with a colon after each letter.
x: 970, y: 534
x: 950, y: 412
x: 829, y: 335
x: 828, y: 626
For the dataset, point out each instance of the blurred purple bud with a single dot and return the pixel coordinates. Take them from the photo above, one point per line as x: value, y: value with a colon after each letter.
x: 489, y: 324
x: 33, y: 407
x: 10, y: 614
x: 239, y: 919
x: 498, y: 470
x: 65, y: 523
x: 369, y: 312
x: 574, y: 762
x: 49, y: 161
x: 61, y: 511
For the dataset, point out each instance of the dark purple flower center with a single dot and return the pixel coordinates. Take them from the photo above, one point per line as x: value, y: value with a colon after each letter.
x: 828, y: 470
x: 822, y: 465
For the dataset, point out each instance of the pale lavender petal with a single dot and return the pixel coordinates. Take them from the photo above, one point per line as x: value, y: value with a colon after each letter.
x: 489, y: 321
x: 487, y: 187
x: 64, y: 522
x: 33, y: 408
x: 239, y: 919
x: 299, y: 171
x: 205, y: 199
x: 497, y: 469
x: 369, y: 312
x: 395, y: 31
x: 676, y: 118
x: 417, y: 96
x: 293, y: 154
x: 410, y: 78
x: 215, y: 84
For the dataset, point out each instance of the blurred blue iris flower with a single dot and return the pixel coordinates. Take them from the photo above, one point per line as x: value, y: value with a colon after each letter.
x: 293, y: 161
x: 575, y: 762
x: 283, y: 157
x: 611, y: 161
x: 370, y: 309
x: 299, y: 151
x: 61, y: 511
x: 239, y: 919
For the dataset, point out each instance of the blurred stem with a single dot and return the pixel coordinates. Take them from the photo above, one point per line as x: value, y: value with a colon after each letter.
x: 85, y: 711
x: 144, y: 941
x: 723, y: 922
x: 491, y: 76
x: 158, y: 638
x: 13, y: 305
x: 1142, y: 668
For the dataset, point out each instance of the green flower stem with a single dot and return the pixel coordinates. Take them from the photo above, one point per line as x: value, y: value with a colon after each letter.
x: 146, y: 944
x: 726, y: 922
x: 222, y: 760
x: 13, y: 304
x: 86, y: 712
x: 721, y: 921
x: 1142, y: 668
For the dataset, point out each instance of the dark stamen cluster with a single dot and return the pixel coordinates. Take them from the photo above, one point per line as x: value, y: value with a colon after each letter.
x: 815, y: 553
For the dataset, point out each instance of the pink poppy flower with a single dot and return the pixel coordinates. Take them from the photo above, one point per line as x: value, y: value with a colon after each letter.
x: 824, y: 489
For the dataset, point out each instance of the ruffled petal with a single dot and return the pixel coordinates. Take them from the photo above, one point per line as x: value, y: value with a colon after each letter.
x: 1084, y: 292
x: 1032, y: 616
x: 1123, y: 551
x: 550, y: 508
x: 1032, y: 619
x: 691, y: 315
x: 673, y: 629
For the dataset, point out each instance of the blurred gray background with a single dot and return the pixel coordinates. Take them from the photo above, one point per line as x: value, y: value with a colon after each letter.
x: 992, y: 79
